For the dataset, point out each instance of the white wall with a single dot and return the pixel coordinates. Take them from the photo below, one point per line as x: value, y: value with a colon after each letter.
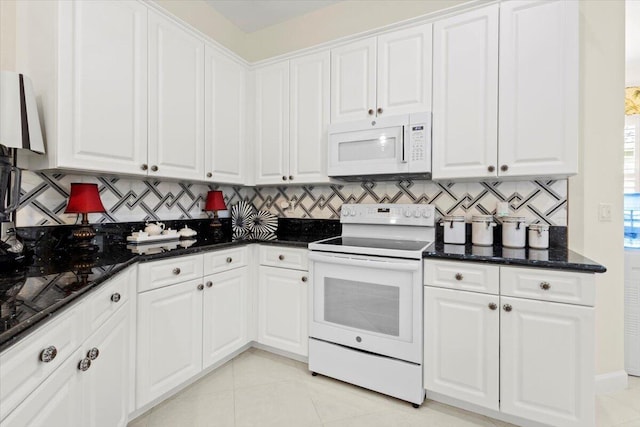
x: 600, y: 178
x: 7, y: 35
x: 632, y: 49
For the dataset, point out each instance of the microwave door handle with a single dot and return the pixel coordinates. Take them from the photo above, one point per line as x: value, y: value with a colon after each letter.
x: 404, y: 141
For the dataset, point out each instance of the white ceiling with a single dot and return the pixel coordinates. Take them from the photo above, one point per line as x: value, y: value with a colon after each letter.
x: 632, y: 42
x: 253, y: 15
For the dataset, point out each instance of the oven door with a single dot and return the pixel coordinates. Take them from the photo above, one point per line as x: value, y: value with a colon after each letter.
x: 368, y: 303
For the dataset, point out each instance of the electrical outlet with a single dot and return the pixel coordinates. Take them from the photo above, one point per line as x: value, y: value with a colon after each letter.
x: 604, y: 212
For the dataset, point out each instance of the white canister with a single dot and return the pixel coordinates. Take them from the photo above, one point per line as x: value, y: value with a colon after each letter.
x: 539, y: 236
x: 482, y: 230
x: 454, y: 229
x: 514, y: 232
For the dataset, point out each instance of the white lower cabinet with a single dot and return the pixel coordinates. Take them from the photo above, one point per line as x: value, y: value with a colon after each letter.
x: 225, y: 314
x: 96, y: 397
x: 461, y: 345
x: 547, y: 362
x: 531, y: 359
x: 169, y: 339
x: 282, y: 309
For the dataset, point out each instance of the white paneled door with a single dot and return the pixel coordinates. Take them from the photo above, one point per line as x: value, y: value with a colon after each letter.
x: 547, y: 362
x: 176, y: 100
x: 465, y: 95
x: 539, y: 88
x: 461, y: 345
x: 225, y: 81
x: 309, y: 84
x: 404, y: 71
x: 272, y: 123
x: 103, y: 86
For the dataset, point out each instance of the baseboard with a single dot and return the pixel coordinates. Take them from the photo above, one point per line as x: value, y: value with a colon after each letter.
x: 611, y: 382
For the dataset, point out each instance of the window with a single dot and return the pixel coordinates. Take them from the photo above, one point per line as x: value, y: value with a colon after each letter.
x: 632, y: 181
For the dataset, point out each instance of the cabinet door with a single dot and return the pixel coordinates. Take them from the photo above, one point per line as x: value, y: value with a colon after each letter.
x: 56, y: 402
x: 538, y: 130
x: 353, y: 81
x: 224, y: 314
x: 169, y: 339
x: 224, y: 118
x: 404, y: 71
x: 547, y: 366
x: 465, y: 85
x: 107, y: 383
x: 461, y: 345
x: 176, y: 100
x: 282, y: 309
x: 309, y: 118
x: 272, y: 123
x: 103, y: 86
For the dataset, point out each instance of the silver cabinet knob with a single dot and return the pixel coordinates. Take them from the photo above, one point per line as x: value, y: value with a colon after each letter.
x: 48, y: 354
x: 284, y: 178
x: 154, y: 168
x: 379, y: 110
x: 144, y: 167
x: 209, y: 174
x: 200, y: 287
x: 176, y: 271
x: 507, y: 307
x: 115, y: 297
x: 545, y: 286
x: 281, y: 257
x: 504, y: 168
x: 371, y: 111
x: 84, y: 364
x: 229, y: 260
x: 304, y: 279
x: 93, y: 353
x: 290, y: 177
x: 209, y: 284
x: 493, y: 306
x: 459, y: 276
x: 491, y: 168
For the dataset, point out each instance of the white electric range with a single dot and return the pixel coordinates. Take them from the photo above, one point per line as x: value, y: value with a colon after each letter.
x: 365, y: 324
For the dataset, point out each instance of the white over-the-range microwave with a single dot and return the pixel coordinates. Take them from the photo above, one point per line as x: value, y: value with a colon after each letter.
x: 387, y: 148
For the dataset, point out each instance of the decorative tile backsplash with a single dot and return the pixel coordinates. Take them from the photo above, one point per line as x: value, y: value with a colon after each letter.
x: 44, y: 198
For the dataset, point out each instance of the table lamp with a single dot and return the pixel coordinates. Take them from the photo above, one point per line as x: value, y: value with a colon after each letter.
x: 215, y: 203
x: 84, y: 199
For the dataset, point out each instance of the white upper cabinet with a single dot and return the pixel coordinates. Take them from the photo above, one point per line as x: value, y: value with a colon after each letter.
x: 385, y: 75
x: 465, y: 95
x: 309, y: 118
x: 224, y: 147
x: 89, y: 69
x: 272, y: 123
x: 176, y: 100
x: 353, y: 81
x: 539, y: 88
x: 404, y: 71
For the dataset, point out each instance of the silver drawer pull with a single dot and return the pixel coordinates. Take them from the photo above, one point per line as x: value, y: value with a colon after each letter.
x: 93, y: 353
x: 229, y: 260
x: 507, y: 307
x: 281, y: 257
x: 115, y: 297
x: 176, y: 271
x: 304, y: 279
x: 545, y: 286
x: 84, y: 364
x: 48, y: 354
x: 209, y: 284
x: 493, y: 306
x: 459, y: 276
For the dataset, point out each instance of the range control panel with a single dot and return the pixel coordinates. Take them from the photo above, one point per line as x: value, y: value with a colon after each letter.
x: 389, y: 214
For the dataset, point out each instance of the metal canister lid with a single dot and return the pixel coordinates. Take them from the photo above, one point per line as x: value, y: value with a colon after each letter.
x: 539, y: 227
x: 512, y: 218
x: 482, y: 218
x: 453, y: 218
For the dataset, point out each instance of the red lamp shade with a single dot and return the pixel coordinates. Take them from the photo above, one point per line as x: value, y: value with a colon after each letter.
x: 84, y: 198
x: 215, y: 201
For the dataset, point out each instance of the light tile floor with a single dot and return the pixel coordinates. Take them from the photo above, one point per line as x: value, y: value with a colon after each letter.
x: 258, y: 388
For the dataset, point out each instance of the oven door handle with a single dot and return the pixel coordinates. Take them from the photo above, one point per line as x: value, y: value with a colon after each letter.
x: 387, y: 264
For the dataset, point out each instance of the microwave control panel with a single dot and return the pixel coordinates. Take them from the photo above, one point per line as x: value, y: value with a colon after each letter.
x: 419, y: 155
x: 417, y: 143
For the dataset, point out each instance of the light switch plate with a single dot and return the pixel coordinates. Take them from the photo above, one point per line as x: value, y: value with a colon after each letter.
x: 604, y: 212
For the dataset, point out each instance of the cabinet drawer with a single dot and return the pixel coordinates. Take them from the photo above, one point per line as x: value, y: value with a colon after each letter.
x: 109, y: 297
x: 218, y: 261
x: 157, y: 274
x: 464, y: 276
x: 548, y: 285
x: 278, y: 256
x: 21, y: 367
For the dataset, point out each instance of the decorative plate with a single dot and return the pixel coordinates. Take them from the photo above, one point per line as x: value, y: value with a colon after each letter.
x: 242, y: 215
x: 264, y: 222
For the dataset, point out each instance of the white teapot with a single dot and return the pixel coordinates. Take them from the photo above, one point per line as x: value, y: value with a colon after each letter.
x: 154, y: 229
